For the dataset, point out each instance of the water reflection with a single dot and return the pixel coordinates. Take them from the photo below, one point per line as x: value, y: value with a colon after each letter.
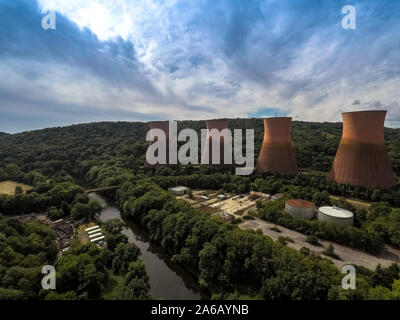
x: 167, y: 280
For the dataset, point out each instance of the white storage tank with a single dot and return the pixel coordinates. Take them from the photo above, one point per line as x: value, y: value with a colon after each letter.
x: 300, y: 208
x: 336, y: 215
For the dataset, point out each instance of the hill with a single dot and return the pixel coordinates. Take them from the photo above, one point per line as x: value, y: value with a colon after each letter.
x: 76, y: 149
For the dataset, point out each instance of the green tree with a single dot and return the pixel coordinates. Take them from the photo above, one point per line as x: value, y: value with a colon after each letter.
x: 380, y: 293
x: 55, y: 213
x: 18, y: 190
x: 136, y: 282
x: 114, y: 226
x: 124, y: 255
x: 86, y: 211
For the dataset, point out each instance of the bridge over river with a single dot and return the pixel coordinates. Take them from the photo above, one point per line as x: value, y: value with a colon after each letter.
x: 103, y: 189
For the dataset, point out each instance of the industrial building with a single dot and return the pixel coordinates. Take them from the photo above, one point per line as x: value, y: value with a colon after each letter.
x: 277, y: 153
x: 94, y: 231
x: 92, y: 228
x: 276, y: 196
x: 256, y: 194
x: 207, y: 153
x: 164, y: 126
x: 179, y: 190
x: 95, y: 235
x: 338, y: 216
x: 300, y: 208
x: 99, y: 240
x: 361, y: 159
x: 221, y: 197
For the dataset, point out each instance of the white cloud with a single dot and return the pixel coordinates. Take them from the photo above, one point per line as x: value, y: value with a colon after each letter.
x: 197, y: 71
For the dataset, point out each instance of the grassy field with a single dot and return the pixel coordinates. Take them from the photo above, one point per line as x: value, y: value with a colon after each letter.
x: 8, y: 187
x: 82, y: 236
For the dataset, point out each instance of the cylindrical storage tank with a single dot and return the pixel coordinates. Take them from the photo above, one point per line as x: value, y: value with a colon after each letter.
x: 219, y: 124
x: 361, y: 159
x: 277, y: 153
x: 300, y: 208
x: 338, y: 216
x: 164, y: 126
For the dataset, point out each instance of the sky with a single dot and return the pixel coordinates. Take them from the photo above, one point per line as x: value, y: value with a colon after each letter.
x: 143, y: 60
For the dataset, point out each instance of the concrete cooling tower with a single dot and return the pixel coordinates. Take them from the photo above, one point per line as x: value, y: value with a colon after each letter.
x: 219, y: 125
x: 361, y: 159
x: 164, y: 126
x: 277, y: 153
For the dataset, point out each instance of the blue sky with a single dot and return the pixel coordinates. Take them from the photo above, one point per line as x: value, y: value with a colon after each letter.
x: 142, y: 60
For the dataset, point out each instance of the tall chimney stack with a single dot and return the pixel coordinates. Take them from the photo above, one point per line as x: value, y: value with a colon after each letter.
x: 277, y: 153
x: 361, y: 159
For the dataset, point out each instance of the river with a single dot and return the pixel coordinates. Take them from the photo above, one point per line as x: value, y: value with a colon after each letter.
x: 167, y: 280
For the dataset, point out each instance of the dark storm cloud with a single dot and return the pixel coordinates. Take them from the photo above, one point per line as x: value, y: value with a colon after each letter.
x: 22, y: 37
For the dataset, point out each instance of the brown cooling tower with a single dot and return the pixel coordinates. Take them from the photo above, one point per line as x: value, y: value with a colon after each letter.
x: 164, y: 126
x: 219, y: 125
x: 361, y: 159
x: 277, y: 154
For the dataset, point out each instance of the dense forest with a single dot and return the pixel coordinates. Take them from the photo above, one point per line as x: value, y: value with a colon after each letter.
x: 104, y: 154
x: 86, y: 272
x: 228, y: 262
x: 78, y: 148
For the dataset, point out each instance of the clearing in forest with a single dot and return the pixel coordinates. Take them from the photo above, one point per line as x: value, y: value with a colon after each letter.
x: 8, y: 187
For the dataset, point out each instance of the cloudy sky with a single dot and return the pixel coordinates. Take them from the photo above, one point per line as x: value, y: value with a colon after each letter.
x: 195, y: 59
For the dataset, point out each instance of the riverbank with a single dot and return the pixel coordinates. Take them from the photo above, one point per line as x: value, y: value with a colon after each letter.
x: 167, y: 279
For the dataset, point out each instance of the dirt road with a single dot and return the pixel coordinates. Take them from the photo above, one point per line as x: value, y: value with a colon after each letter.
x: 347, y: 255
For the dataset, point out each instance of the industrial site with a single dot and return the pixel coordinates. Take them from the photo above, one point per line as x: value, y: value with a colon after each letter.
x: 361, y: 160
x: 224, y: 152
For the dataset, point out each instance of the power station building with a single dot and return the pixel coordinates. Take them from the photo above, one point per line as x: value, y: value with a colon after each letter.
x: 300, y: 208
x: 179, y: 190
x: 338, y: 216
x: 361, y: 159
x: 207, y: 152
x: 277, y: 153
x: 164, y: 126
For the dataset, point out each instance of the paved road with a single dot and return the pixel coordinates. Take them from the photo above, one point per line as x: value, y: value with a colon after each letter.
x: 347, y: 255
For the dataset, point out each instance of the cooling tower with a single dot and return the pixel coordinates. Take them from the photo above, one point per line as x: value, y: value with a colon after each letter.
x: 361, y: 159
x: 277, y: 154
x: 164, y: 126
x: 219, y: 125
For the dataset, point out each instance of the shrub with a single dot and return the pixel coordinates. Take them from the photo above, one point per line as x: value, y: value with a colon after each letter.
x: 313, y: 239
